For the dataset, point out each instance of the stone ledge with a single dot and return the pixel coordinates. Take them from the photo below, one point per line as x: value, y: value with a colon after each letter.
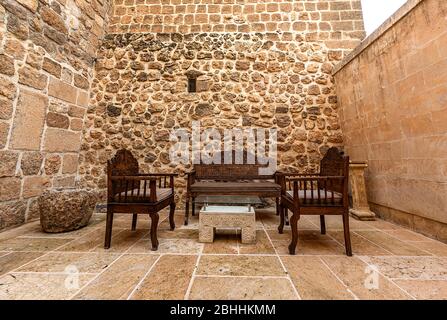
x: 401, y: 13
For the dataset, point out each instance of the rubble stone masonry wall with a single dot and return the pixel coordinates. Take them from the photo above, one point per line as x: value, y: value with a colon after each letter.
x: 264, y: 64
x: 393, y: 110
x: 47, y: 51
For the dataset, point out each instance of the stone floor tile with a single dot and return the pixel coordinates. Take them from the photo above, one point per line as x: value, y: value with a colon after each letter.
x: 169, y: 278
x: 406, y: 235
x: 118, y: 281
x: 336, y: 223
x: 223, y: 244
x: 262, y: 245
x: 274, y: 235
x: 271, y: 221
x: 306, y: 223
x: 360, y: 245
x: 303, y: 224
x: 227, y: 269
x: 357, y: 276
x: 179, y: 220
x: 89, y: 241
x: 314, y: 247
x: 181, y: 246
x: 124, y: 221
x: 229, y: 288
x: 302, y: 235
x: 32, y: 244
x: 13, y: 260
x: 383, y: 225
x: 123, y: 241
x: 240, y: 265
x: 419, y: 268
x: 391, y: 244
x: 58, y: 262
x: 37, y: 232
x: 126, y: 225
x: 41, y: 286
x: 434, y: 247
x: 178, y: 234
x: 97, y: 217
x: 18, y: 231
x: 127, y: 217
x: 313, y: 280
x: 425, y: 289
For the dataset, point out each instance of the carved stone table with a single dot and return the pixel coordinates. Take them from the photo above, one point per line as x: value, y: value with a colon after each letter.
x: 360, y: 206
x: 226, y: 217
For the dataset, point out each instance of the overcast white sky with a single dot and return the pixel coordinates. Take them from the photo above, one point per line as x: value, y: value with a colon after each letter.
x: 375, y: 12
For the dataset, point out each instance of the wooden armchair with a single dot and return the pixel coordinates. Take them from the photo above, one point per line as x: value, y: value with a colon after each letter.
x: 129, y: 191
x: 324, y: 193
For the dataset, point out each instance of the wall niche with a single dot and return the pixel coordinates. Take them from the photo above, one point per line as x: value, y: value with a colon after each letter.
x: 197, y: 81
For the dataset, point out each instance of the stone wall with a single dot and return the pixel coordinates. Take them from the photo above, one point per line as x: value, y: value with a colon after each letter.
x: 47, y: 50
x: 393, y: 109
x: 260, y: 64
x: 339, y: 23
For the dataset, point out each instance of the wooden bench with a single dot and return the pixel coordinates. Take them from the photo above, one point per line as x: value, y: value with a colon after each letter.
x: 323, y: 193
x: 229, y: 180
x: 129, y: 191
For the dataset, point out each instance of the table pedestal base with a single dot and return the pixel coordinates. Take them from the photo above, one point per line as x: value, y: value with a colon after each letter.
x: 227, y: 217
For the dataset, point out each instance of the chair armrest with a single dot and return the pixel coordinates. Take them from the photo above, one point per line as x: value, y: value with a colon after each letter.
x: 134, y: 178
x: 158, y: 174
x: 316, y: 188
x: 315, y: 178
x: 295, y: 174
x: 161, y: 181
x: 282, y: 177
x: 122, y: 185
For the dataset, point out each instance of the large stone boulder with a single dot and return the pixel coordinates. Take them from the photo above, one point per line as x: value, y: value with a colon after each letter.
x: 66, y: 210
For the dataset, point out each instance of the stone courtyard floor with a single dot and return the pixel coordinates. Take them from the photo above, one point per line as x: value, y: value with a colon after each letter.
x: 35, y: 265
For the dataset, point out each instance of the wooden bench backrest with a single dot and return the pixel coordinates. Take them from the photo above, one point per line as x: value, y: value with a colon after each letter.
x: 230, y: 171
x: 226, y: 171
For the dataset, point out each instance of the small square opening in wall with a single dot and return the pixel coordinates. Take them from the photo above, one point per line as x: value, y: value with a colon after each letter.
x: 192, y: 85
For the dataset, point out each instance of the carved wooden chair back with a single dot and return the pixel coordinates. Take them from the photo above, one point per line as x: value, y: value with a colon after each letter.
x: 334, y: 163
x: 122, y: 164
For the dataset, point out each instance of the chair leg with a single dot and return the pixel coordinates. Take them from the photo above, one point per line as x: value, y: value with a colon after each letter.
x: 109, y: 225
x: 186, y: 210
x: 134, y: 221
x: 294, y: 225
x: 278, y: 207
x: 171, y: 215
x: 347, y: 234
x: 281, y: 219
x: 322, y: 224
x: 154, y: 226
x: 286, y: 216
x: 193, y: 206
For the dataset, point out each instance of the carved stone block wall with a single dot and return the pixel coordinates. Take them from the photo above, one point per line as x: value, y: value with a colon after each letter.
x: 47, y: 50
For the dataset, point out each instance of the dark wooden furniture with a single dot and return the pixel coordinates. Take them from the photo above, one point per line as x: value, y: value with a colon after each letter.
x: 129, y: 191
x: 324, y: 193
x: 229, y: 180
